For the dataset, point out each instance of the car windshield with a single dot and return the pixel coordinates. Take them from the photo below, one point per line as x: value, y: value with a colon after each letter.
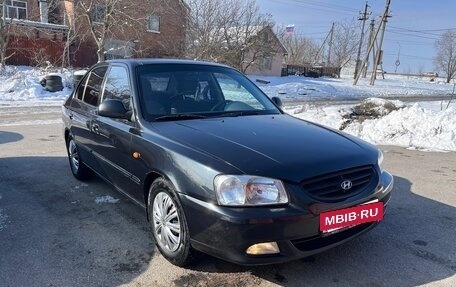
x: 188, y: 91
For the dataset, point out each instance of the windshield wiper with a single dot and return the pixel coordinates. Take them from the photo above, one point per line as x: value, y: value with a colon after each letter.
x: 177, y: 117
x: 240, y: 113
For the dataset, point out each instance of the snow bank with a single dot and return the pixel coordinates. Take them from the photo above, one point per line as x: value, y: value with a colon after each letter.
x: 411, y: 126
x: 22, y: 84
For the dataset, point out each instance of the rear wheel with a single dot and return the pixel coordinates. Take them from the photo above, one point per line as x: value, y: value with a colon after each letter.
x: 169, y: 226
x: 78, y: 168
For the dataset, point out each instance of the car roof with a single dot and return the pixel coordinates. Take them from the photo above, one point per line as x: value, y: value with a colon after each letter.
x: 139, y: 62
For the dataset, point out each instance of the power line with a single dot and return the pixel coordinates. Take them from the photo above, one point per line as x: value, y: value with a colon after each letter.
x: 414, y: 31
x: 327, y: 5
x: 411, y: 35
x: 410, y: 56
x: 327, y: 9
x: 425, y: 30
x: 410, y: 42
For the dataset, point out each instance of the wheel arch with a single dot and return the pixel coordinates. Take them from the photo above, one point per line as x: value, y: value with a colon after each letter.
x: 150, y: 178
x: 67, y: 135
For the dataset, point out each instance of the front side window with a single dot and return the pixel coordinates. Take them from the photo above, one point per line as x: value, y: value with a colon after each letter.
x: 93, y: 85
x: 16, y: 9
x: 185, y: 91
x: 117, y: 86
x: 153, y: 23
x: 233, y: 91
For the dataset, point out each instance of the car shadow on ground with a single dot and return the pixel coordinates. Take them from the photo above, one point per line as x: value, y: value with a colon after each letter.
x: 414, y: 245
x: 8, y: 137
x: 62, y: 232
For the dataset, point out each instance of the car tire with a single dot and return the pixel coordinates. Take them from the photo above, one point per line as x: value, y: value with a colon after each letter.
x: 168, y: 223
x: 78, y: 168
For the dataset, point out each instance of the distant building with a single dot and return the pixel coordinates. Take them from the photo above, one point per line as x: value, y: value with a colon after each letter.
x: 38, y: 30
x: 272, y: 63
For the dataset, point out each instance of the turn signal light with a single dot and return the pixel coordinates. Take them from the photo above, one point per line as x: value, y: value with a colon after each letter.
x: 263, y: 248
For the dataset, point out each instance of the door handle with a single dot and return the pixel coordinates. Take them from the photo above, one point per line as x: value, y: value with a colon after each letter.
x: 70, y: 116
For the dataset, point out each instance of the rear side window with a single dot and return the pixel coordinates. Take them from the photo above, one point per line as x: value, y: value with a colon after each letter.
x: 80, y: 91
x: 92, y: 88
x: 117, y: 86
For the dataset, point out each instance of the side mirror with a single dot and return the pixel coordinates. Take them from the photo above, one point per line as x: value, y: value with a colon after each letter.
x: 113, y: 109
x: 277, y: 101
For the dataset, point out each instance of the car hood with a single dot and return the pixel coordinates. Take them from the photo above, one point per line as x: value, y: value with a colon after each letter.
x: 277, y: 146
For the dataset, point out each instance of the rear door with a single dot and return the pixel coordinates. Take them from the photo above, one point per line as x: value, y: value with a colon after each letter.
x: 82, y: 111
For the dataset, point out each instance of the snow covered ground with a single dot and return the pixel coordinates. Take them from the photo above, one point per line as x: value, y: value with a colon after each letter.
x: 417, y: 125
x: 302, y: 88
x: 421, y: 125
x: 20, y: 86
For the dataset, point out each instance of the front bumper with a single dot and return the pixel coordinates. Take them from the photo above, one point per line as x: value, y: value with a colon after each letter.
x: 227, y: 232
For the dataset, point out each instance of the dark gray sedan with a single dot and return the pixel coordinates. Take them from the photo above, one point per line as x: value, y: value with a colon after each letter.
x: 217, y: 164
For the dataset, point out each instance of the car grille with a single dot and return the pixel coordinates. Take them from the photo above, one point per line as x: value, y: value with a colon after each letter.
x: 328, y: 187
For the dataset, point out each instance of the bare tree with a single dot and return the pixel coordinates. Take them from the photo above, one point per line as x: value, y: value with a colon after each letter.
x: 301, y: 50
x: 204, y: 33
x: 5, y: 32
x: 345, y: 43
x: 233, y: 32
x: 446, y: 54
x: 105, y: 18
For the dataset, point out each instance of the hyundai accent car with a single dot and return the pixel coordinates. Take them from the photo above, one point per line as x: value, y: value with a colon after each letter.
x: 217, y: 165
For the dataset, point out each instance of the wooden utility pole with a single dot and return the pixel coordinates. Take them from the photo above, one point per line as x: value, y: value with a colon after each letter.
x: 363, y: 17
x: 317, y: 56
x: 328, y: 63
x: 321, y: 50
x: 379, y: 54
x: 384, y: 16
x: 371, y: 38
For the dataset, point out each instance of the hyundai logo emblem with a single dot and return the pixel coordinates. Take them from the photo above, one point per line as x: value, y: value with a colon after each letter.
x: 346, y: 185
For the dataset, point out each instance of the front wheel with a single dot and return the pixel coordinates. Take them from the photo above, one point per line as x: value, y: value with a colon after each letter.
x: 78, y: 168
x: 169, y: 226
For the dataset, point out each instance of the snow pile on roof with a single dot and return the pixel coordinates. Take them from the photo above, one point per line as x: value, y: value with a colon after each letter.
x: 23, y: 84
x: 410, y: 126
x: 303, y: 88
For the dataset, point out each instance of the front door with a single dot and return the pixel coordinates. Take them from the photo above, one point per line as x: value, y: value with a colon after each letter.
x: 113, y: 135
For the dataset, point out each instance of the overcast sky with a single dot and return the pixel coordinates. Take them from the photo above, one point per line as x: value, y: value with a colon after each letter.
x: 413, y: 27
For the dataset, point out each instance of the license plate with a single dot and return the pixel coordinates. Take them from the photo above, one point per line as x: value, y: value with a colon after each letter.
x: 335, y: 220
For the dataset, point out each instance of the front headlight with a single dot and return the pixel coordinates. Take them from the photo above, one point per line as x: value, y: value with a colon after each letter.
x: 380, y: 160
x: 244, y: 190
